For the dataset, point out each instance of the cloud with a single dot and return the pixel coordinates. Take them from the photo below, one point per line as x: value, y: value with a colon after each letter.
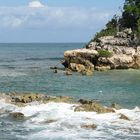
x: 51, y: 17
x: 35, y: 4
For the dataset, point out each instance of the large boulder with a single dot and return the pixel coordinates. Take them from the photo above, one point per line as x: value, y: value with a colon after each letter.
x: 92, y: 106
x: 80, y: 60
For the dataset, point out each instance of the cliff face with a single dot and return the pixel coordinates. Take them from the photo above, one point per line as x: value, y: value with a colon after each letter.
x: 108, y: 52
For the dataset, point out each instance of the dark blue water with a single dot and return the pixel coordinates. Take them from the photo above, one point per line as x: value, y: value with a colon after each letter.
x: 26, y: 68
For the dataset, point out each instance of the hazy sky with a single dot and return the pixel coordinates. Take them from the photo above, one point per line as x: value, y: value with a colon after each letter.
x: 54, y: 20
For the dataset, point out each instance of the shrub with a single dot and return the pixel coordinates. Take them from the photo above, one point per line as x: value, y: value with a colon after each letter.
x: 104, y: 53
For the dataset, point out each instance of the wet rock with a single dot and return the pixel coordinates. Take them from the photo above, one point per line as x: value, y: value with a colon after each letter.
x: 83, y: 101
x: 17, y: 115
x: 116, y: 106
x: 50, y: 121
x: 22, y: 100
x: 92, y: 106
x: 26, y: 98
x: 92, y: 126
x: 122, y: 116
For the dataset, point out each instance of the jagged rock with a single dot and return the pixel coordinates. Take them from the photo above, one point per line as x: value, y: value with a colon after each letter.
x: 92, y: 126
x: 55, y: 71
x: 17, y: 115
x: 23, y: 99
x: 92, y: 45
x: 80, y: 60
x: 121, y: 61
x: 26, y: 98
x: 77, y: 67
x: 82, y: 101
x: 92, y: 106
x: 116, y: 106
x: 122, y: 116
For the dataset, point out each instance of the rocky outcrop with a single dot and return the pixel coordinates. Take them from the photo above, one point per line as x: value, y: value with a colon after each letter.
x: 105, y: 53
x: 80, y: 60
x: 79, y: 106
x: 25, y: 98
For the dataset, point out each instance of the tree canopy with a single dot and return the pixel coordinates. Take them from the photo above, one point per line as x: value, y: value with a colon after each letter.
x: 130, y: 19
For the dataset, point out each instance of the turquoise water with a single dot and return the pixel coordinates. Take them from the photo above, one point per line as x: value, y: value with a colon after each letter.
x: 26, y: 68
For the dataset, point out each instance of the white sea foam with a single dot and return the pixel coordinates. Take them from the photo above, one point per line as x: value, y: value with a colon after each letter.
x: 66, y: 124
x: 11, y: 73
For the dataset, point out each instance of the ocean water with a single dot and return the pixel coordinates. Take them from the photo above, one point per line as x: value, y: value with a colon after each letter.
x: 26, y: 68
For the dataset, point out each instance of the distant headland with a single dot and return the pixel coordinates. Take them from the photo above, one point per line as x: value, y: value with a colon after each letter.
x: 115, y: 47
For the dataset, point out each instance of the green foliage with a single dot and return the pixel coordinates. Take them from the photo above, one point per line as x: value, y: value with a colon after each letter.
x: 131, y: 14
x: 104, y: 53
x: 110, y: 30
x: 130, y: 19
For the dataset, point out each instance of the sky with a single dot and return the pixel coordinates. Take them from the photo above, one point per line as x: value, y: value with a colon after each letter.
x: 54, y: 20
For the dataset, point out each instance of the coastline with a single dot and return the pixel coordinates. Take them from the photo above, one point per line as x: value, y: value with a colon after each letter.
x: 56, y: 118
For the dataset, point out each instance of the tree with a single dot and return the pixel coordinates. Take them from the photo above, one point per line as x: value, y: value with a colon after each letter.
x: 130, y: 19
x: 131, y: 14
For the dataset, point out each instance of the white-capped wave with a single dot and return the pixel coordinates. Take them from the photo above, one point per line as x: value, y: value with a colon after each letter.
x: 59, y: 121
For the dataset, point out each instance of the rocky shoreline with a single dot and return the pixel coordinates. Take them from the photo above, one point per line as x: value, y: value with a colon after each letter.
x: 23, y: 100
x: 105, y: 53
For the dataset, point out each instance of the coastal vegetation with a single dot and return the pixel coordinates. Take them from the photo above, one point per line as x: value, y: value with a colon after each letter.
x: 130, y: 18
x: 104, y: 53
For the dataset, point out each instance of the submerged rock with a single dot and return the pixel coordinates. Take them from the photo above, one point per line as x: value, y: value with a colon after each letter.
x: 23, y: 99
x: 92, y: 126
x: 17, y: 115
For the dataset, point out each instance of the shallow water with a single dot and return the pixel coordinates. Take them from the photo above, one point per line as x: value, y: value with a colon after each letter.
x: 26, y: 68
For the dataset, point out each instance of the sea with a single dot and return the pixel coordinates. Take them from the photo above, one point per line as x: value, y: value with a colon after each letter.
x: 25, y: 68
